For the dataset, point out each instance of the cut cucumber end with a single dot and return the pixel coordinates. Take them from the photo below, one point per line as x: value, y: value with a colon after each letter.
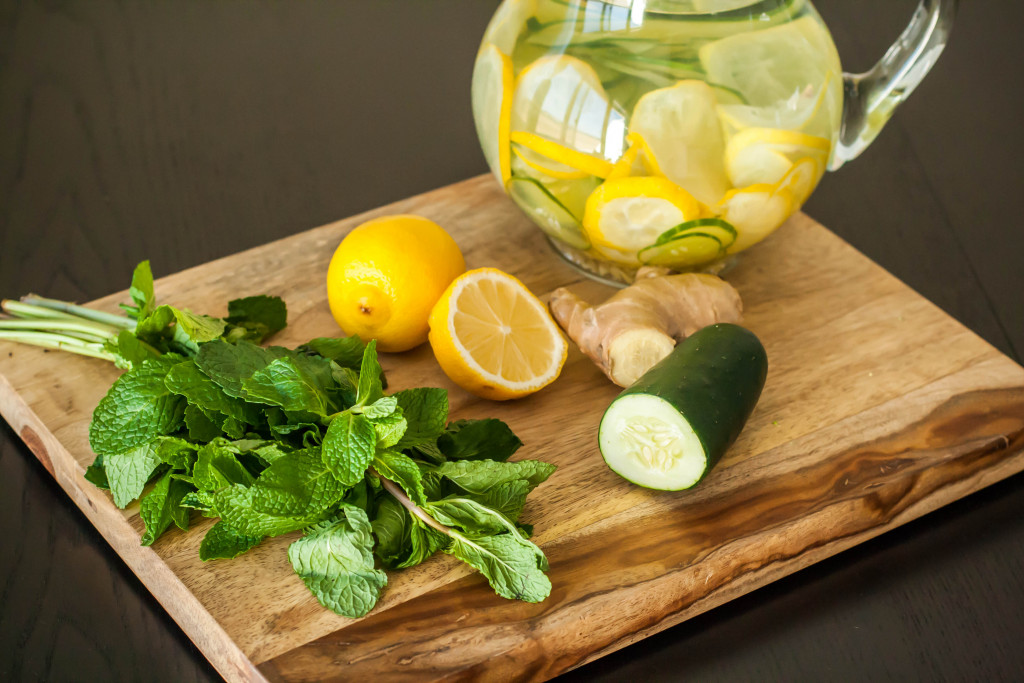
x: 647, y: 441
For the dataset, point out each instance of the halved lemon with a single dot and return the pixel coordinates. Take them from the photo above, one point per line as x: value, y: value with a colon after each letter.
x: 494, y: 338
x: 683, y: 136
x: 493, y: 82
x: 755, y: 212
x: 625, y: 215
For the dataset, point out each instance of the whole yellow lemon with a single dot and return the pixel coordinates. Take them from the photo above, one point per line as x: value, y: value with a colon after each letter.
x: 387, y: 274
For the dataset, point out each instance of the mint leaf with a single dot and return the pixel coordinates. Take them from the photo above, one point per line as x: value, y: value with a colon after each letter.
x: 507, y: 498
x: 489, y: 439
x: 180, y: 330
x: 96, y: 475
x: 370, y: 386
x: 193, y: 329
x: 390, y: 429
x: 389, y: 527
x: 349, y: 447
x: 223, y: 542
x: 161, y: 506
x: 423, y: 542
x: 229, y: 365
x: 299, y: 484
x: 177, y: 453
x: 141, y: 290
x: 512, y: 567
x: 299, y: 383
x: 130, y: 350
x: 128, y: 472
x: 259, y: 316
x: 479, y: 476
x: 468, y: 516
x: 137, y: 409
x: 345, y: 351
x: 270, y: 452
x: 426, y: 412
x: 200, y: 427
x: 201, y: 501
x: 234, y: 504
x: 233, y: 428
x: 186, y: 379
x: 217, y: 466
x: 402, y: 470
x: 335, y: 561
x: 381, y: 408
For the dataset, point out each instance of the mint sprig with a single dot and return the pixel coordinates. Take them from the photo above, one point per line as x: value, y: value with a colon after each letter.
x: 271, y: 440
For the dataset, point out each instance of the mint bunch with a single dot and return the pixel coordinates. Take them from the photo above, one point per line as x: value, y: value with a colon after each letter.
x: 273, y: 441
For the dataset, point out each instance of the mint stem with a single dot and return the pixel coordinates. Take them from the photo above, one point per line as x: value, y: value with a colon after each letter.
x: 396, y: 491
x: 58, y: 341
x: 93, y: 329
x: 118, y: 321
x: 19, y: 309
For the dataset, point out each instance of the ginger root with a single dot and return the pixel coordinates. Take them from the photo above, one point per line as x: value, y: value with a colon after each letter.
x: 638, y: 326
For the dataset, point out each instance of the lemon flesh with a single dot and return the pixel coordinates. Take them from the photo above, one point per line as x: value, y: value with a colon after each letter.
x: 494, y: 338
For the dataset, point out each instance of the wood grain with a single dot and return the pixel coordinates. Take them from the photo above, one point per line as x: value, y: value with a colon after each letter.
x: 878, y: 409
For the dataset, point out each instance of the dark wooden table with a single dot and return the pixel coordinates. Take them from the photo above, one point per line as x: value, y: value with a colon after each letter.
x: 184, y: 131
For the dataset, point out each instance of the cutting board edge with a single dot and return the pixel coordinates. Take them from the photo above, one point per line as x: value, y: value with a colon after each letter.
x: 158, y: 578
x: 980, y: 481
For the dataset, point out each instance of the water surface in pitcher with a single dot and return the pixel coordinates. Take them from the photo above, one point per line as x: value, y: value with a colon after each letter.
x: 667, y: 132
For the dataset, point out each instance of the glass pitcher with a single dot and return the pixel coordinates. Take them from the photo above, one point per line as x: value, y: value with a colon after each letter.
x: 677, y: 133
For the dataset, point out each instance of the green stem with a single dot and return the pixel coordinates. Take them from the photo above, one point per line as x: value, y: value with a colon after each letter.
x: 412, y: 507
x: 58, y: 341
x: 118, y: 321
x: 23, y: 310
x: 97, y: 330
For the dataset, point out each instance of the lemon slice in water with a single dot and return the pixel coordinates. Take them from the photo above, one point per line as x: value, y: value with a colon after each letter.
x: 684, y: 137
x: 492, y: 106
x: 755, y: 212
x: 801, y: 180
x: 625, y: 215
x: 561, y: 155
x: 765, y: 155
x: 771, y: 65
x: 559, y: 98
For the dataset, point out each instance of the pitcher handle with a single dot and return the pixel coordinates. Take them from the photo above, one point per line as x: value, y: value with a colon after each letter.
x: 871, y: 97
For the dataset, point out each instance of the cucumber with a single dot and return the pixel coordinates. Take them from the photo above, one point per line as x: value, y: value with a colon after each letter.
x: 670, y: 427
x: 546, y: 211
x: 689, y: 249
x: 692, y: 243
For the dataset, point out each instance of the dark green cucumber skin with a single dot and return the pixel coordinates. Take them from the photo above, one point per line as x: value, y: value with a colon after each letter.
x: 713, y: 378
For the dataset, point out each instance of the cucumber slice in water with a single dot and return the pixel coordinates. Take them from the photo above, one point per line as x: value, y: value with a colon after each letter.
x: 670, y: 427
x: 691, y: 243
x: 546, y: 211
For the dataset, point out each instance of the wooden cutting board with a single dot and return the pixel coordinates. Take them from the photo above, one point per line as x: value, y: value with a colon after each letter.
x: 878, y: 409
